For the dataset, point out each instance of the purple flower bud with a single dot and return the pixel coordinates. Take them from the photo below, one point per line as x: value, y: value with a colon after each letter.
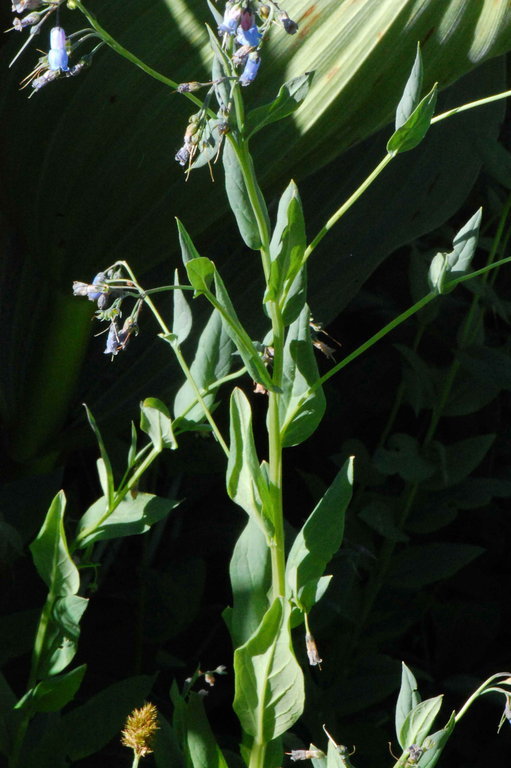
x: 289, y: 25
x: 246, y: 19
x: 251, y: 68
x: 96, y: 295
x: 250, y: 36
x: 183, y: 155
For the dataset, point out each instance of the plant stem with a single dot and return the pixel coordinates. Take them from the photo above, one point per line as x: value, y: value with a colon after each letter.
x: 257, y: 755
x: 347, y: 205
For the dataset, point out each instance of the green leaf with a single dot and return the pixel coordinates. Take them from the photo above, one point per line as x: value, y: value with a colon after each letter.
x: 8, y: 717
x: 458, y: 460
x: 446, y: 266
x: 246, y: 482
x: 87, y: 728
x: 241, y: 339
x: 412, y: 132
x: 182, y: 321
x: 62, y: 634
x: 239, y: 200
x: 424, y: 564
x: 202, y: 746
x: 250, y: 573
x: 288, y: 99
x: 487, y: 364
x: 188, y: 249
x: 106, y: 475
x: 287, y: 246
x: 321, y: 535
x: 406, y: 701
x: 200, y: 273
x: 419, y: 721
x: 212, y: 361
x: 435, y: 743
x: 53, y: 694
x: 269, y: 688
x: 300, y: 411
x: 411, y: 94
x: 381, y: 518
x: 51, y: 555
x: 134, y: 515
x: 155, y: 421
x: 402, y: 457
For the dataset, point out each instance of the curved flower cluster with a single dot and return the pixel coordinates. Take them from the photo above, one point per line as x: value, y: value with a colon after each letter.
x: 55, y: 63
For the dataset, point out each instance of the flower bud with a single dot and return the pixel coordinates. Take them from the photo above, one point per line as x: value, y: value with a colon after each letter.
x: 57, y: 56
x: 289, y: 25
x: 251, y: 69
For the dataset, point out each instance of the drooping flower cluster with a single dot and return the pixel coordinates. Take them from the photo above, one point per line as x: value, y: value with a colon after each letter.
x: 55, y: 63
x: 108, y: 289
x: 242, y: 29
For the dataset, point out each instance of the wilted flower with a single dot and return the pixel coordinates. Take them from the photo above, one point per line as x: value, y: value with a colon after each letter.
x: 118, y: 338
x: 140, y: 728
x: 91, y: 289
x: 25, y: 21
x: 251, y: 69
x: 26, y: 5
x: 312, y: 651
x: 306, y: 754
x: 289, y: 25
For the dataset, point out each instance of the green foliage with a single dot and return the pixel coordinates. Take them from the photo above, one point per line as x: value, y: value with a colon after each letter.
x: 269, y: 694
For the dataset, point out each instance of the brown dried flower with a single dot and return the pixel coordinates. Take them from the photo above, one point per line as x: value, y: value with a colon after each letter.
x: 140, y: 728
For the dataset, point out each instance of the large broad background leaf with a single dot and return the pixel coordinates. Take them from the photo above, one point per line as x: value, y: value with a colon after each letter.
x: 92, y: 176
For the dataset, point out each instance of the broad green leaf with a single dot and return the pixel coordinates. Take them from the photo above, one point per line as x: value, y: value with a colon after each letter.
x: 54, y: 693
x: 380, y: 516
x: 62, y: 634
x: 337, y: 756
x: 212, y: 361
x: 250, y: 573
x: 87, y: 728
x: 424, y: 564
x: 321, y: 535
x: 435, y: 743
x: 287, y: 246
x: 300, y: 411
x: 406, y: 701
x: 412, y: 92
x: 182, y: 320
x: 402, y: 457
x: 105, y: 472
x: 419, y: 721
x: 246, y: 482
x: 166, y: 747
x: 200, y: 273
x: 238, y: 198
x: 269, y: 688
x: 412, y: 132
x: 51, y: 555
x: 296, y: 296
x: 458, y: 460
x: 135, y: 514
x: 446, y: 267
x: 202, y: 746
x: 155, y: 421
x: 288, y: 99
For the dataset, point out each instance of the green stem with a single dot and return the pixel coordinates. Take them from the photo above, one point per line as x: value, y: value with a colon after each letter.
x: 257, y: 755
x: 347, y: 205
x: 471, y: 105
x: 478, y: 693
x: 136, y: 760
x: 200, y: 399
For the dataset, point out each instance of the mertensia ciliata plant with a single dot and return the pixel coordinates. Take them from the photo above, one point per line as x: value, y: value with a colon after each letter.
x: 274, y: 587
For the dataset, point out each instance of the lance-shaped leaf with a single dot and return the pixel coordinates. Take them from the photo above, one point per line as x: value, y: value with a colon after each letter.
x: 320, y: 537
x: 53, y: 694
x: 246, y: 481
x: 105, y: 472
x: 407, y: 700
x: 412, y: 92
x: 419, y: 721
x: 212, y: 361
x: 155, y: 421
x: 411, y: 133
x: 269, y: 689
x: 287, y: 246
x: 188, y: 249
x: 300, y: 410
x: 250, y: 573
x: 182, y: 320
x: 435, y: 743
x: 446, y: 267
x: 134, y: 515
x: 51, y: 554
x: 239, y: 199
x: 288, y: 99
x: 202, y: 747
x: 200, y: 272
